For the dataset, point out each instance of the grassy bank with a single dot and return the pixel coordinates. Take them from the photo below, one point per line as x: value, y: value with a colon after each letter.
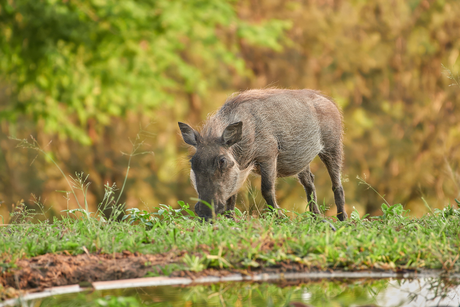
x: 392, y: 241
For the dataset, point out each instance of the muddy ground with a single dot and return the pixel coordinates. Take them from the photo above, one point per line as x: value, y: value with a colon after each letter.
x: 51, y: 270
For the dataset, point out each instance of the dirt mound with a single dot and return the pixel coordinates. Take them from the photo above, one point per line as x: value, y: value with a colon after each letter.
x: 52, y: 270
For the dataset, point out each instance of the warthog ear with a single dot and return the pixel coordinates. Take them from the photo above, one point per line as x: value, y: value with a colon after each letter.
x: 232, y: 134
x: 189, y: 134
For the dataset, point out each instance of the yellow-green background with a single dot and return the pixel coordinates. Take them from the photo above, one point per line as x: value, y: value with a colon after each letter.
x: 85, y: 74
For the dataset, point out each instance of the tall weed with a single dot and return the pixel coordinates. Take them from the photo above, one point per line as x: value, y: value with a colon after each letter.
x: 80, y: 182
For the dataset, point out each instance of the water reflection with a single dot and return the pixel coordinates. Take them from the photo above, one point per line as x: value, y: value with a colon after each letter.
x: 426, y: 292
x: 385, y: 292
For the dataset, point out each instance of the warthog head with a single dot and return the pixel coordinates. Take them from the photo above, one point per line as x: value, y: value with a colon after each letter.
x: 215, y: 174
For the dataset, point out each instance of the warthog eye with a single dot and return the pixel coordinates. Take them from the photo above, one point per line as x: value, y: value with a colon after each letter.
x: 222, y: 162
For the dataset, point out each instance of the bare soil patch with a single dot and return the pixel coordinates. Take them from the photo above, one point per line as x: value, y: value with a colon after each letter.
x: 52, y: 270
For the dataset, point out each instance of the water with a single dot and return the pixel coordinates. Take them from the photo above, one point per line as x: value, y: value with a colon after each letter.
x: 383, y: 292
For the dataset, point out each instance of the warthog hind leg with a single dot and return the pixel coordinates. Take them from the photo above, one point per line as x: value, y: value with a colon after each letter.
x: 307, y: 179
x: 333, y: 162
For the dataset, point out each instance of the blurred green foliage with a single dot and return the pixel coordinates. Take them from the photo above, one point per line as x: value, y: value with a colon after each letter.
x: 65, y: 62
x: 91, y: 71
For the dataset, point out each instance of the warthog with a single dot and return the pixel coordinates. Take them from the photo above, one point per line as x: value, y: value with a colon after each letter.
x: 271, y: 132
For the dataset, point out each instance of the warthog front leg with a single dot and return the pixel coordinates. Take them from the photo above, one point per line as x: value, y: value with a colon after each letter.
x: 268, y: 176
x: 230, y: 207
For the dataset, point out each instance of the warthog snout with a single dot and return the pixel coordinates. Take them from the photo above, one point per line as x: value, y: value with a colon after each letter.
x: 205, y: 211
x: 202, y: 210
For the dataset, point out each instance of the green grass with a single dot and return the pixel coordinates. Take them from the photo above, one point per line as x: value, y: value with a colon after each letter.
x: 392, y: 241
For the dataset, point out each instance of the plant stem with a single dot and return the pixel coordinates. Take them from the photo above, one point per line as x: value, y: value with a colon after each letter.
x: 62, y: 172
